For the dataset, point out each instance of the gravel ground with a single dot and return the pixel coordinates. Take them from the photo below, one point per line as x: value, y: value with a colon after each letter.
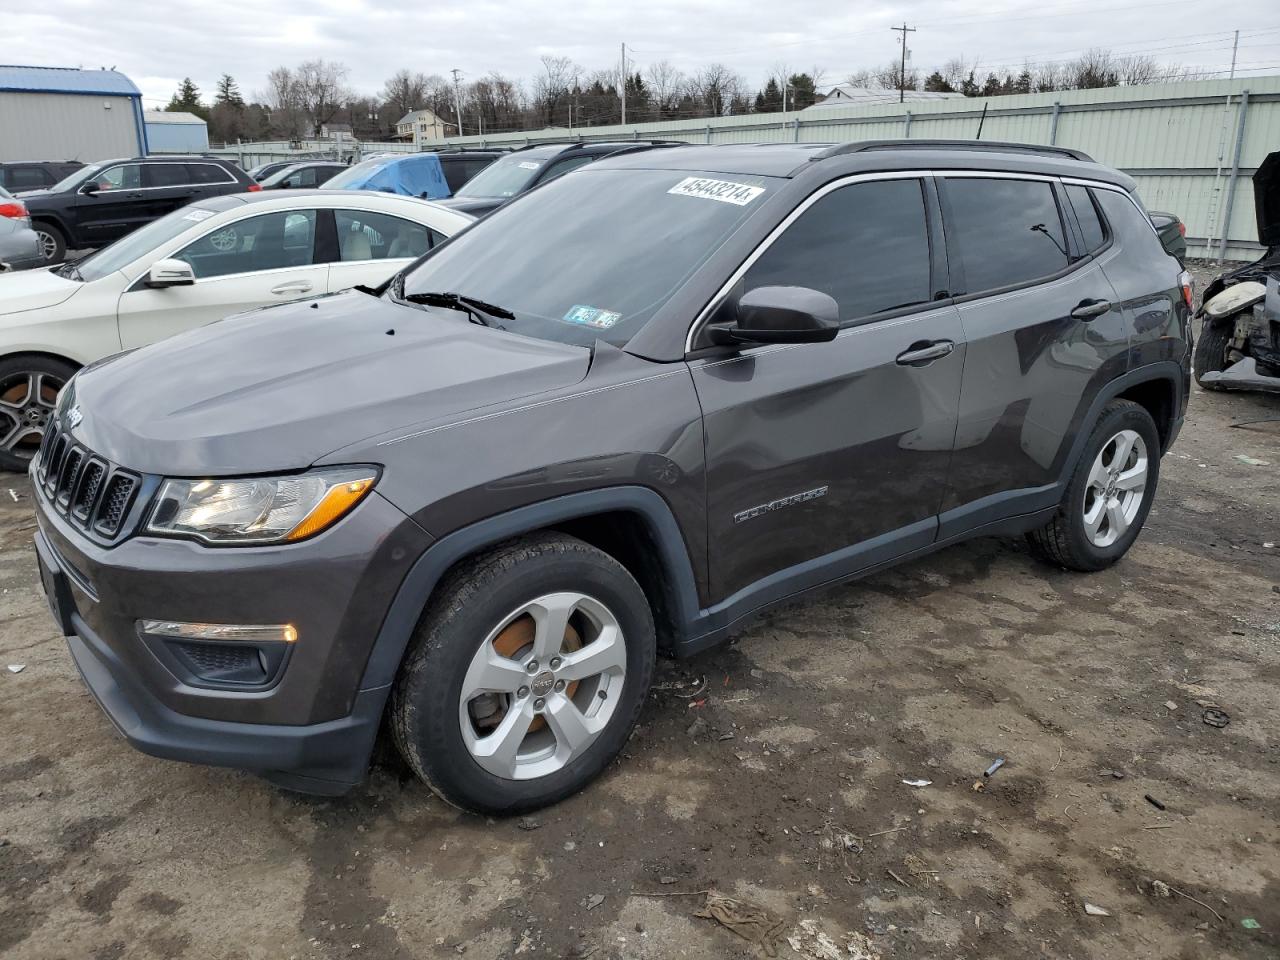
x: 780, y: 784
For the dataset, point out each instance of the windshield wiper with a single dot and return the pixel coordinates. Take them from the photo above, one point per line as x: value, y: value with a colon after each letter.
x: 479, y: 311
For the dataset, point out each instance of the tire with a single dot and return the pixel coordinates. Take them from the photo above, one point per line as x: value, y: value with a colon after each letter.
x: 29, y: 387
x: 53, y: 244
x: 1068, y: 540
x: 480, y: 607
x: 1211, y: 349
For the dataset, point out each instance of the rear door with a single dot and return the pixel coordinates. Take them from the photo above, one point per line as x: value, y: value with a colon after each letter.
x: 253, y: 262
x: 118, y: 207
x: 211, y: 180
x: 168, y: 186
x: 837, y: 450
x: 371, y: 246
x: 1044, y: 334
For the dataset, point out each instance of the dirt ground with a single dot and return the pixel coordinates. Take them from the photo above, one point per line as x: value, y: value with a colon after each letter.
x: 781, y: 783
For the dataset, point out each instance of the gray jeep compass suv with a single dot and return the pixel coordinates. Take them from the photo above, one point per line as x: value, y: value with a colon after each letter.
x: 619, y: 416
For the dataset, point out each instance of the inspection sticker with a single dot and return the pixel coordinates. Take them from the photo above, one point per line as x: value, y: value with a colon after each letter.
x: 528, y: 165
x: 198, y: 215
x: 592, y: 317
x: 726, y: 191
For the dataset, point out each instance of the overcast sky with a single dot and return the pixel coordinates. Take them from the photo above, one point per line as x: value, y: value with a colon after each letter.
x: 157, y: 42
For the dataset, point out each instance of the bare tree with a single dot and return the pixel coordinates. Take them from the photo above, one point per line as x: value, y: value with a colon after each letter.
x: 322, y: 89
x: 403, y: 92
x: 666, y: 86
x: 718, y: 90
x: 552, y: 87
x: 283, y: 102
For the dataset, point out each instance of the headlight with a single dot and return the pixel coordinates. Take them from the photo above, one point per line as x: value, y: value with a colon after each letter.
x: 261, y: 509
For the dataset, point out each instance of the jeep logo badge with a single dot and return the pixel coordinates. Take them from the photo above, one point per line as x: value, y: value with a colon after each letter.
x: 542, y: 684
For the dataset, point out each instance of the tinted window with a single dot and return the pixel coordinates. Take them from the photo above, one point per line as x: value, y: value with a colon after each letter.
x: 207, y: 173
x: 126, y: 176
x: 376, y: 236
x: 165, y: 175
x: 1132, y: 228
x: 1087, y: 213
x: 1006, y: 231
x: 866, y: 245
x: 26, y: 178
x: 269, y: 242
x: 561, y: 167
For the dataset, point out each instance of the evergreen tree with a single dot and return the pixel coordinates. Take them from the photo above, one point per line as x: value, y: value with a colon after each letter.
x: 937, y: 83
x: 969, y: 87
x: 769, y: 100
x: 802, y: 93
x: 229, y: 92
x: 187, y: 100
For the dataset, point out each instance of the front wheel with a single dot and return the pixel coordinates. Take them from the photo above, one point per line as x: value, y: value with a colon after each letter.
x: 1211, y: 350
x: 525, y: 676
x: 53, y: 245
x: 1109, y: 495
x: 29, y: 388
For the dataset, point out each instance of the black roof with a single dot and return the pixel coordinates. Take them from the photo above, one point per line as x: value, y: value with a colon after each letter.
x: 791, y: 159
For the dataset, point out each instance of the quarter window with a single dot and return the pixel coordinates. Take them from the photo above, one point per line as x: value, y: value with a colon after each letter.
x: 207, y: 173
x: 1007, y: 232
x: 363, y: 235
x: 866, y: 245
x: 272, y: 241
x: 1087, y: 214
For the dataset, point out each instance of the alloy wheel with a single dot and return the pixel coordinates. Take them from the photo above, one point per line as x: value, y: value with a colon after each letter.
x: 48, y: 244
x: 1115, y: 488
x: 543, y: 686
x: 27, y: 402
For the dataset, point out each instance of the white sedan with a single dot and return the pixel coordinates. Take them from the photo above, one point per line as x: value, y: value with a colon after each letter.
x: 201, y: 263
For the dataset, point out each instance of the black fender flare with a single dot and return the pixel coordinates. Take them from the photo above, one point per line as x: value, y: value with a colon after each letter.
x: 54, y: 220
x: 421, y: 580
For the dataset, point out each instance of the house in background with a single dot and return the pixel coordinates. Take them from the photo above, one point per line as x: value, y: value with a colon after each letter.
x: 64, y: 113
x: 420, y: 126
x: 847, y: 95
x: 175, y: 132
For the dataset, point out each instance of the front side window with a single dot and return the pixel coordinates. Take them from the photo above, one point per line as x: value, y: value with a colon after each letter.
x: 377, y: 236
x: 865, y: 245
x: 1007, y: 232
x: 561, y: 167
x: 272, y: 241
x: 126, y: 176
x: 634, y: 237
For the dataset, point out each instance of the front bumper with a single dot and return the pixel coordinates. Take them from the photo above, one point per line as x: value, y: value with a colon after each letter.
x: 313, y: 726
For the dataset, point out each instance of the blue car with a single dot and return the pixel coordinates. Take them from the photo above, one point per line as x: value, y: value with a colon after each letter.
x: 431, y: 176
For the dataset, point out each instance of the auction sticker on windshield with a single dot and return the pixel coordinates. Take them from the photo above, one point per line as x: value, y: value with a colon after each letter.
x: 726, y: 191
x: 592, y: 317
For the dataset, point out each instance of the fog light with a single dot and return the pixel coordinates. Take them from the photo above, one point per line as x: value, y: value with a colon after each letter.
x: 252, y: 632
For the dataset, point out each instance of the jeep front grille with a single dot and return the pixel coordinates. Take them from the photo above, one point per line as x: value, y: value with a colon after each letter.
x: 91, y: 492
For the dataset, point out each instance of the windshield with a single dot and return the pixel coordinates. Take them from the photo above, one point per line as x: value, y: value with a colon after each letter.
x: 505, y: 178
x: 80, y: 175
x: 357, y: 174
x: 280, y: 175
x: 635, y: 236
x: 143, y: 240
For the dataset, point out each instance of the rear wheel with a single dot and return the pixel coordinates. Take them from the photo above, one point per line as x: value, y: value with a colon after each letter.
x: 1110, y: 493
x: 28, y: 393
x: 526, y: 675
x: 53, y: 245
x: 1211, y: 349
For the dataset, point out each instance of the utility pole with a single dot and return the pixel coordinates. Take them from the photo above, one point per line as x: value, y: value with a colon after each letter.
x: 902, y: 76
x: 1235, y: 45
x: 457, y: 98
x: 624, y: 84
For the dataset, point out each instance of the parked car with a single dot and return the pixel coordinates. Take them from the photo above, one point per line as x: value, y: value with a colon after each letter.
x: 622, y: 414
x: 432, y: 176
x: 1239, y: 344
x: 264, y: 170
x: 196, y: 265
x: 524, y: 169
x: 16, y: 175
x: 19, y: 245
x: 1172, y: 231
x: 297, y: 176
x: 105, y: 201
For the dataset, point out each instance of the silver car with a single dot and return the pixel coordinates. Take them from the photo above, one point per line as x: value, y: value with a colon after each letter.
x: 19, y: 245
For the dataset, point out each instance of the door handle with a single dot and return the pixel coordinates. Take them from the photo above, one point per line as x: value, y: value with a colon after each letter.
x: 1088, y: 309
x: 297, y: 286
x: 924, y: 352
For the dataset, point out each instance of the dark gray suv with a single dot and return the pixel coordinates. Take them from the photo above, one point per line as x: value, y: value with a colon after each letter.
x: 618, y: 417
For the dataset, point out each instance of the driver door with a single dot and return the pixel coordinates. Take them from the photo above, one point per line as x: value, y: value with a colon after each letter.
x: 254, y: 262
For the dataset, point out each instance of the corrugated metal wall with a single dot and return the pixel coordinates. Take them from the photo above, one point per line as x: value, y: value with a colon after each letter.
x: 1177, y: 140
x: 61, y: 126
x: 177, y: 137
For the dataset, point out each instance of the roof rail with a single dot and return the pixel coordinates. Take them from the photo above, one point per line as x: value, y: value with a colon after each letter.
x: 984, y: 146
x: 620, y: 142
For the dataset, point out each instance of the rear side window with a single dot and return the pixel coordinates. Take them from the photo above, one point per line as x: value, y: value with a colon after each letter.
x: 1095, y: 235
x: 25, y: 178
x: 365, y: 235
x: 1007, y: 232
x: 866, y: 245
x: 164, y: 175
x: 207, y: 173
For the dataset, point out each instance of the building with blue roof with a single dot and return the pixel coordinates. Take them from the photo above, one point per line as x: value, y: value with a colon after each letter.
x: 65, y: 113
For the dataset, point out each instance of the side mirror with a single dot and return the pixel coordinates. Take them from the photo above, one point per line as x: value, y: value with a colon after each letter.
x: 170, y: 273
x: 90, y: 188
x: 781, y: 315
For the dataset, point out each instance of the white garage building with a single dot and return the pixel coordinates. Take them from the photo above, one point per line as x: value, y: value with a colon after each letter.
x: 61, y: 113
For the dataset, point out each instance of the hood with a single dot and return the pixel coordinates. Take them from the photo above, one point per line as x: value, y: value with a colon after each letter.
x: 278, y: 388
x: 1266, y: 200
x: 34, y: 290
x: 30, y: 196
x: 476, y: 206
